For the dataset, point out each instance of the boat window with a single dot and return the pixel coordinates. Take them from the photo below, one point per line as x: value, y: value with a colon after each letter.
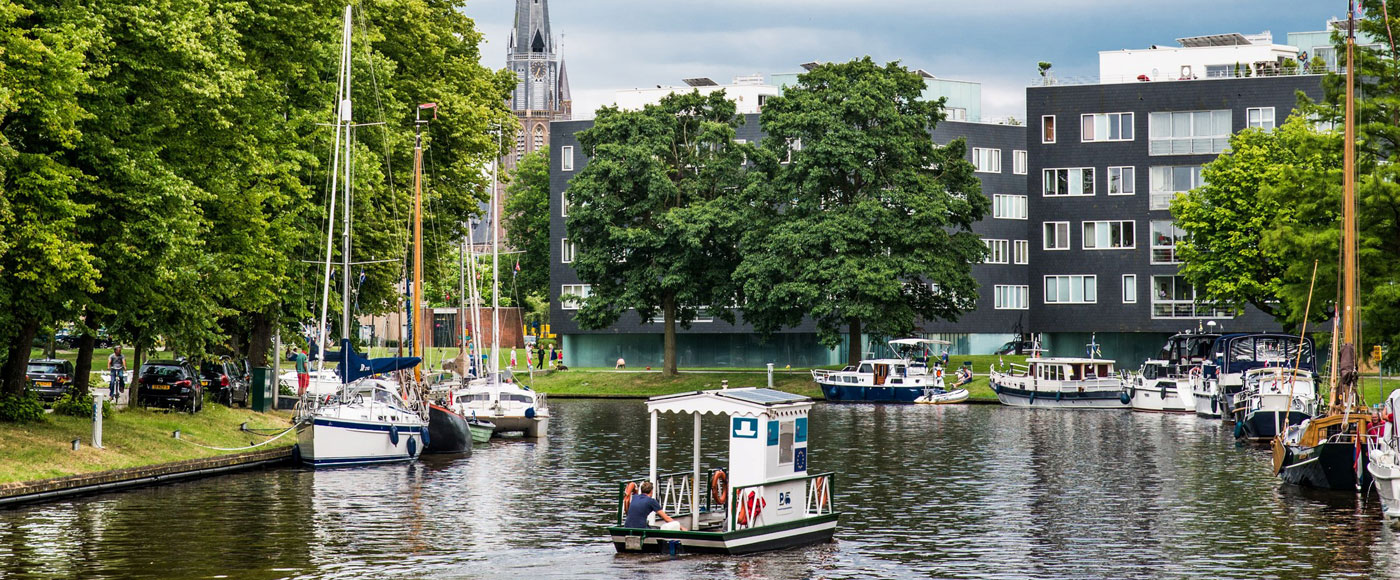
x: 1149, y: 371
x: 527, y: 399
x: 864, y: 368
x: 899, y: 371
x: 786, y: 429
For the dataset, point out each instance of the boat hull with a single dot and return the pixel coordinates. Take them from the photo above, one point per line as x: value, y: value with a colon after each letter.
x: 324, y: 442
x: 811, y: 530
x: 1387, y: 478
x: 448, y: 432
x: 1326, y: 466
x: 1162, y: 397
x: 481, y: 431
x: 1264, y: 425
x: 536, y: 426
x: 1070, y: 399
x: 843, y: 393
x: 948, y: 398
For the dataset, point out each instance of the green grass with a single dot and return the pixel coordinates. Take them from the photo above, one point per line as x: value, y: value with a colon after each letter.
x: 130, y: 438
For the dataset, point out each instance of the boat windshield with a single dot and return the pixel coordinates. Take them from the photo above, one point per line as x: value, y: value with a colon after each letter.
x: 865, y: 368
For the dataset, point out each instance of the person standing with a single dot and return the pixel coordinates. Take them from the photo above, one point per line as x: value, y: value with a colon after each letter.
x: 116, y: 369
x: 303, y: 372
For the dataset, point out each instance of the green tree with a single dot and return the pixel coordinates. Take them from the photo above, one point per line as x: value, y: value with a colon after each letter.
x: 868, y: 227
x: 654, y: 213
x: 527, y: 220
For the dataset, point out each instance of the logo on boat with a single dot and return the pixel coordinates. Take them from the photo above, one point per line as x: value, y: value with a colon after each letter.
x: 746, y: 427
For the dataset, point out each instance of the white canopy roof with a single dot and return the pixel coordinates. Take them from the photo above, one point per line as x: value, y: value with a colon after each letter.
x: 742, y: 401
x: 917, y: 341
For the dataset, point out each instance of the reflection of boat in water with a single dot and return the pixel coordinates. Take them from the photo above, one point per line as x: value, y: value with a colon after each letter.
x: 910, y: 374
x: 765, y: 500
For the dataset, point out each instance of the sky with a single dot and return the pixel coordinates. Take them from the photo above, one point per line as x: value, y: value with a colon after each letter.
x: 615, y: 44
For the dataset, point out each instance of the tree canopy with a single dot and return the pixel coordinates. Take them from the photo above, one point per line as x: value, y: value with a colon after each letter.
x: 527, y: 220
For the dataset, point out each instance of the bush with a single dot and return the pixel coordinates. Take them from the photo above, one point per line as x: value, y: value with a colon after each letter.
x: 23, y: 409
x: 76, y: 404
x: 285, y: 390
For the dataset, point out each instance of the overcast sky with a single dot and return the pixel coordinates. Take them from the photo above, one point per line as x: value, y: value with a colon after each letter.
x: 614, y: 44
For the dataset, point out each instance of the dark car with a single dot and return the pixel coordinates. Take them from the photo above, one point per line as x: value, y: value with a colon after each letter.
x: 169, y: 384
x: 1025, y: 346
x: 49, y: 378
x: 228, y: 380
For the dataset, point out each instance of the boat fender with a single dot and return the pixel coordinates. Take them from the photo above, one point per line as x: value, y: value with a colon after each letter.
x: 1214, y: 404
x: 1124, y: 398
x: 394, y: 435
x: 1239, y: 429
x: 1164, y: 390
x: 1032, y: 401
x: 1059, y: 395
x: 426, y: 439
x: 529, y: 412
x: 627, y: 496
x: 719, y: 486
x: 412, y: 447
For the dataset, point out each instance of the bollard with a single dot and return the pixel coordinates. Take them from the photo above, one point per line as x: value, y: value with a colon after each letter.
x: 77, y: 443
x: 97, y: 420
x: 770, y: 375
x: 176, y: 434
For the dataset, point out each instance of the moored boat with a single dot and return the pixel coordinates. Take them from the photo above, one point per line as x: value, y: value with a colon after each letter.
x: 448, y: 431
x: 1060, y: 382
x: 1384, y: 458
x: 1234, y: 355
x: 1274, y: 399
x: 1165, y: 383
x: 910, y: 373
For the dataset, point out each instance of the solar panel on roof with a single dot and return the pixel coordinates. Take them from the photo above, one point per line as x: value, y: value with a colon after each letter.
x: 762, y: 396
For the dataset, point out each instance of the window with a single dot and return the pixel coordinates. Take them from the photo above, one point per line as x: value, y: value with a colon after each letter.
x: 1056, y: 236
x: 1021, y: 251
x: 566, y: 158
x: 1071, y: 289
x: 566, y: 251
x: 1173, y: 297
x: 1009, y: 207
x: 1188, y: 132
x: 1165, y: 235
x: 793, y: 145
x: 1073, y: 181
x: 1260, y: 118
x: 564, y: 203
x: 1164, y: 183
x: 986, y: 160
x: 1122, y: 180
x: 1106, y: 127
x: 1047, y: 129
x: 999, y: 251
x: 1018, y: 162
x: 955, y: 113
x: 1109, y: 235
x: 1012, y: 297
x: 579, y: 293
x: 1130, y: 289
x: 539, y: 138
x: 786, y: 435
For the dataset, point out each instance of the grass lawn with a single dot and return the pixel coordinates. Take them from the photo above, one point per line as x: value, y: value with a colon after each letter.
x: 130, y: 438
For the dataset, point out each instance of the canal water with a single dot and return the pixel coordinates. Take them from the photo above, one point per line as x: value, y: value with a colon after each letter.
x: 927, y: 492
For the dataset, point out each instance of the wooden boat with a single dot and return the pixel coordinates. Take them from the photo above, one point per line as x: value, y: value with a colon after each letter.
x: 765, y: 499
x: 481, y: 430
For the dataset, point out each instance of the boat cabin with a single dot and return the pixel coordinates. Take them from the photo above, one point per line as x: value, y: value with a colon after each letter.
x: 1237, y: 353
x: 1069, y: 369
x: 763, y: 498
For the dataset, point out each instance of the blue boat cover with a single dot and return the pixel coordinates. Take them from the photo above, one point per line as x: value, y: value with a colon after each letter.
x: 356, y: 367
x: 331, y: 356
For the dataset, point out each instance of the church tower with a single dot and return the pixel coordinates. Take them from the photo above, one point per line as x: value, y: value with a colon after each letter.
x: 542, y: 92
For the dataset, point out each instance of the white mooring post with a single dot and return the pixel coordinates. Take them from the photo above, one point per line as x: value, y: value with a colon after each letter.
x: 770, y: 375
x: 97, y: 420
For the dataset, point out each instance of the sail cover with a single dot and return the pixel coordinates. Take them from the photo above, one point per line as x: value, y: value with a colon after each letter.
x: 356, y: 367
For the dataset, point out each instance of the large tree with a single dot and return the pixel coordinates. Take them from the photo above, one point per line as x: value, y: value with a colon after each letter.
x: 860, y: 222
x: 527, y: 220
x: 654, y: 214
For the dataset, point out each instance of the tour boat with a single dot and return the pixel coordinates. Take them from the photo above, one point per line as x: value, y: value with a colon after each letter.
x: 1274, y: 398
x: 1164, y: 384
x: 1060, y: 382
x: 911, y: 373
x: 763, y: 499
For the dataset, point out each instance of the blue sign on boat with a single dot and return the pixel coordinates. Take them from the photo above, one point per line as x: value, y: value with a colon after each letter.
x: 746, y: 427
x: 801, y: 430
x: 799, y: 459
x: 772, y: 433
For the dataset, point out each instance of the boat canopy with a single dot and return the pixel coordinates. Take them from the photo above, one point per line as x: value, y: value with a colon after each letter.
x: 917, y: 342
x: 1237, y: 353
x: 356, y: 367
x: 749, y: 401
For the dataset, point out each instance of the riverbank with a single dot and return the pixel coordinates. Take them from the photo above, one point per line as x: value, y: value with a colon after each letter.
x: 130, y: 438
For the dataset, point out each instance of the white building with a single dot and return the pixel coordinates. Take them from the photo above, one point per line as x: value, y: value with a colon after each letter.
x: 749, y: 93
x: 1198, y: 57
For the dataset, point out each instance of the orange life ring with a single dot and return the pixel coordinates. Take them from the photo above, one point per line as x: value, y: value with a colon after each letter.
x: 627, y: 496
x: 819, y: 487
x: 719, y: 486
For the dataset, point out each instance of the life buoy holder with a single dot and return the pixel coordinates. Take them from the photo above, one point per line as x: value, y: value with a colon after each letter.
x: 627, y: 496
x: 719, y: 487
x: 750, y: 508
x: 819, y: 488
x: 1195, y: 372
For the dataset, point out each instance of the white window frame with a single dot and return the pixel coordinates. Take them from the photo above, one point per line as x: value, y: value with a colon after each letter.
x: 986, y: 159
x: 1161, y: 184
x: 1045, y: 238
x: 1088, y: 285
x: 566, y: 251
x: 1020, y: 251
x: 1051, y: 175
x: 1011, y: 297
x: 1158, y: 249
x: 1086, y: 237
x: 566, y: 158
x: 1020, y: 161
x: 1094, y: 120
x: 1250, y: 123
x: 1169, y: 307
x: 1127, y: 184
x: 1163, y: 140
x: 583, y: 291
x: 1129, y: 280
x: 564, y: 203
x: 1007, y: 206
x: 1051, y: 134
x: 998, y: 251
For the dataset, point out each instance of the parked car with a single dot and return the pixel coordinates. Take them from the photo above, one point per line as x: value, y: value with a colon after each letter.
x: 1026, y: 346
x: 228, y: 380
x: 49, y: 378
x: 169, y: 383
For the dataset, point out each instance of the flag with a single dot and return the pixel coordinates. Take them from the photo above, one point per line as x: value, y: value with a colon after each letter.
x: 517, y: 268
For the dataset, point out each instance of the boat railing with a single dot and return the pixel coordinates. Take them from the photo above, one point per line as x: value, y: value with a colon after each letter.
x: 1016, y: 369
x: 821, y: 374
x: 748, y: 504
x: 672, y: 489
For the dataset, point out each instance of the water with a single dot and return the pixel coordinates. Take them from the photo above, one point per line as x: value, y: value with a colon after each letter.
x: 943, y: 492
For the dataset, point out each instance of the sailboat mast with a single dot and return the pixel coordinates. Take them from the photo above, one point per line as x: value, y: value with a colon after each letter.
x: 462, y: 305
x: 496, y: 262
x: 342, y: 122
x: 416, y: 307
x: 1350, y: 326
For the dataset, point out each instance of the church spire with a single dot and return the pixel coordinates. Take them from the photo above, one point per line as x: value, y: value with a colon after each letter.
x: 531, y: 32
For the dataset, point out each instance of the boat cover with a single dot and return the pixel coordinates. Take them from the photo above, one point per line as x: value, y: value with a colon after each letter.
x: 356, y: 367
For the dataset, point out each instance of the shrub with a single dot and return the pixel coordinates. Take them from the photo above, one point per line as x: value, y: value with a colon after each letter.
x: 22, y: 409
x: 75, y: 404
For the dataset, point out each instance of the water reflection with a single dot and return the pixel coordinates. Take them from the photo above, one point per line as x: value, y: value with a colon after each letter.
x: 948, y: 492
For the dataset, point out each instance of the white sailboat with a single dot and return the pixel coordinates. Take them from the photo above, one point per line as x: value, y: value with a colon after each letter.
x: 366, y: 420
